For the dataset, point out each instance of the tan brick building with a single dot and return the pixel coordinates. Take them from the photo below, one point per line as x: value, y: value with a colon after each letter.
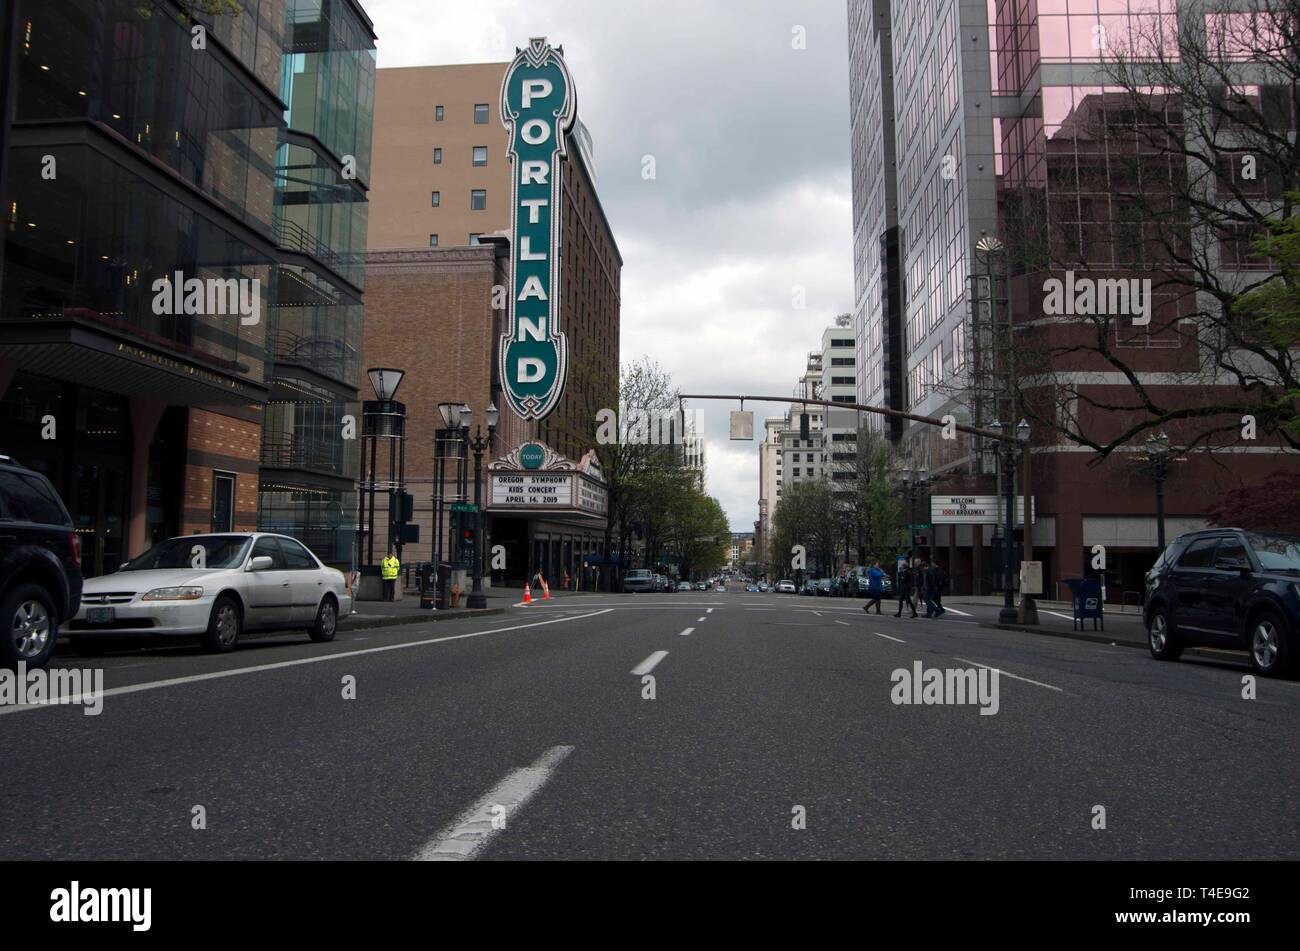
x: 429, y: 308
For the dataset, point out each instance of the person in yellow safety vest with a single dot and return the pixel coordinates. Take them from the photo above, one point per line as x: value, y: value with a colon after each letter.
x: 388, y: 569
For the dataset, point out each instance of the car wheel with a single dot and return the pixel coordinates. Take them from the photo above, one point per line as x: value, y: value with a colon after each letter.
x: 1270, y: 645
x: 1161, y: 639
x: 31, y: 625
x: 223, y: 626
x: 327, y: 620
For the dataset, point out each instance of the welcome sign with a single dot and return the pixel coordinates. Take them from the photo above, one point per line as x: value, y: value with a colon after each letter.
x: 538, y: 107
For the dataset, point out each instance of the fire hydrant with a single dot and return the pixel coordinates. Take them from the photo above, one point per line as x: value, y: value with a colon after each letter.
x: 455, y: 595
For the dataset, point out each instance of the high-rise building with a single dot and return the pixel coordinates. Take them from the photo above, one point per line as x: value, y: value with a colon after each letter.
x: 990, y: 147
x: 184, y: 197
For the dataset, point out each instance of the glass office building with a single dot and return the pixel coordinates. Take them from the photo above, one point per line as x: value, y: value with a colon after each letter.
x: 149, y: 146
x: 975, y: 120
x: 309, y: 460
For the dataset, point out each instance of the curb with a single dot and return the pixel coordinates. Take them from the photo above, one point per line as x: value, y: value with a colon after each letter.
x: 1098, y: 638
x: 453, y: 614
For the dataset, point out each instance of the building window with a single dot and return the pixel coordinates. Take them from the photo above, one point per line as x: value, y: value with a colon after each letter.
x: 433, y: 240
x: 437, y: 156
x: 478, y: 199
x: 437, y: 113
x: 437, y: 199
x: 223, y: 501
x: 475, y: 238
x: 480, y: 113
x: 480, y: 155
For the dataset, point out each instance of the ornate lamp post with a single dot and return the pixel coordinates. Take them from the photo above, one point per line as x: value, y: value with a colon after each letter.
x: 478, y: 444
x: 382, y: 418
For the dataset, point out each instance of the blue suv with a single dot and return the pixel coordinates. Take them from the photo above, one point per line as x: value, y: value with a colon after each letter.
x: 1231, y: 589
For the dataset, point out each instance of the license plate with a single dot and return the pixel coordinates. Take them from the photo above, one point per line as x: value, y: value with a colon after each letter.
x: 100, y: 615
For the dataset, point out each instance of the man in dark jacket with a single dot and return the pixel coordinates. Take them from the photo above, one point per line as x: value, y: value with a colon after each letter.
x: 936, y: 580
x: 905, y: 581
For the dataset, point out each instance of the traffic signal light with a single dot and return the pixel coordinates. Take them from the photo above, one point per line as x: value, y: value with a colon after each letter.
x: 804, y: 431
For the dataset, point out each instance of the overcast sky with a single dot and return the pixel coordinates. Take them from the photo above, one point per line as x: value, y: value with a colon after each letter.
x: 751, y: 195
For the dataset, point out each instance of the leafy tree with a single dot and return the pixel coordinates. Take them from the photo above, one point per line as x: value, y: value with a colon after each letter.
x: 1269, y: 506
x: 808, y: 515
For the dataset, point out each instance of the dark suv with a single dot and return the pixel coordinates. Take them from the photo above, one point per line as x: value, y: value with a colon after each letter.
x: 40, y: 566
x: 1227, y: 588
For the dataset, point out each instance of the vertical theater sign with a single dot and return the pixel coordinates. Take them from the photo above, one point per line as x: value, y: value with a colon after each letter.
x: 538, y: 107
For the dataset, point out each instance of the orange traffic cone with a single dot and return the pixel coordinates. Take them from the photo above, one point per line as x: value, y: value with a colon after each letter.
x: 546, y: 591
x: 528, y: 595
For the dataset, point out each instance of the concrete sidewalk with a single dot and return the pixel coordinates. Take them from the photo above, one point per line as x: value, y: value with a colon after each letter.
x: 368, y: 614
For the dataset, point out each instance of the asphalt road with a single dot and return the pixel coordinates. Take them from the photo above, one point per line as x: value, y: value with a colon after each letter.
x: 527, y: 736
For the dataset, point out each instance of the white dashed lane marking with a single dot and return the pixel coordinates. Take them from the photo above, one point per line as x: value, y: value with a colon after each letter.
x: 488, y: 818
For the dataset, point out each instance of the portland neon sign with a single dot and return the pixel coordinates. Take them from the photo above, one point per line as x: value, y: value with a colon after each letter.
x: 538, y: 107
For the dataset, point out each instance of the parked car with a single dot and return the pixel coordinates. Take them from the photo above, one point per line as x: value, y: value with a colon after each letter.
x: 639, y: 580
x: 1231, y: 589
x: 763, y: 587
x: 703, y: 586
x: 822, y: 587
x: 216, y: 586
x: 683, y: 586
x: 785, y: 587
x: 719, y: 587
x: 40, y: 566
x: 751, y: 589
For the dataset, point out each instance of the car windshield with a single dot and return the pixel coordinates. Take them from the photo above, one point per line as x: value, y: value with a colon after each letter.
x: 219, y: 551
x: 1276, y: 552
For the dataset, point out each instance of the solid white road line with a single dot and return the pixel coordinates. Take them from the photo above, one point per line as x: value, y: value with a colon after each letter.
x: 888, y: 638
x: 699, y: 619
x: 955, y: 611
x: 649, y: 663
x: 1058, y: 614
x: 709, y: 611
x: 1003, y: 673
x: 317, y: 659
x: 484, y: 820
x: 845, y: 623
x: 688, y: 631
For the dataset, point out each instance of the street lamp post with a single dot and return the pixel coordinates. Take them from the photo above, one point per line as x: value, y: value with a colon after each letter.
x: 1158, y: 453
x: 1007, y: 460
x: 914, y: 483
x: 382, y: 418
x: 478, y: 444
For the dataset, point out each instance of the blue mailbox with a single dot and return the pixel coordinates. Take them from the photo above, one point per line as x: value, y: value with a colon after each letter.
x: 1087, y: 602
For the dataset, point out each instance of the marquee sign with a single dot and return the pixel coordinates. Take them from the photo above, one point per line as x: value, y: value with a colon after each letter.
x: 538, y: 108
x: 533, y: 478
x: 975, y: 510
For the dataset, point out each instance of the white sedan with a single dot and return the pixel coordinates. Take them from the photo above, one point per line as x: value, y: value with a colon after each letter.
x: 216, y: 586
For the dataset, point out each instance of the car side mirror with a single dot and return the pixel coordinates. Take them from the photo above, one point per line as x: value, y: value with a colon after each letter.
x: 260, y: 563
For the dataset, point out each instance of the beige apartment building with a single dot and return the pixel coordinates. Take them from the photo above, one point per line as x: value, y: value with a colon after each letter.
x: 441, y: 176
